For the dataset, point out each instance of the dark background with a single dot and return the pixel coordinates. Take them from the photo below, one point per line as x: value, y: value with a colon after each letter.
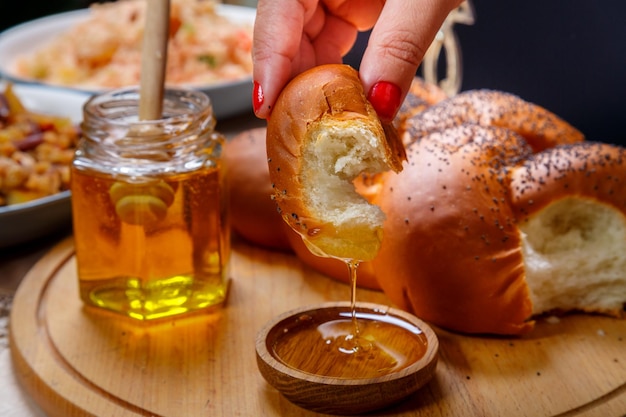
x: 568, y: 56
x: 13, y: 12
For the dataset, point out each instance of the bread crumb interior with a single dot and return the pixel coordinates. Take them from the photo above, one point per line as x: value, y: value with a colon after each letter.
x: 575, y: 256
x: 334, y: 155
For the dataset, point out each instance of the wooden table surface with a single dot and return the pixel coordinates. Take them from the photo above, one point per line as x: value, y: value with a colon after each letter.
x: 576, y: 367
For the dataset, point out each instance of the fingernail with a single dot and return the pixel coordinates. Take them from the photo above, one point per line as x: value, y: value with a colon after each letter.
x: 385, y: 97
x: 257, y: 97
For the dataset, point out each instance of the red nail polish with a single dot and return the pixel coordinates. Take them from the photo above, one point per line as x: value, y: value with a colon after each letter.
x: 385, y: 97
x: 257, y: 97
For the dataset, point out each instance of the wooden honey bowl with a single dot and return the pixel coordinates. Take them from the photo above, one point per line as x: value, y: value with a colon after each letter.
x: 295, y: 355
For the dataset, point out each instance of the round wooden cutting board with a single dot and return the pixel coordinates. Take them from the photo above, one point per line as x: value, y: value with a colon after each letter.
x: 76, y: 361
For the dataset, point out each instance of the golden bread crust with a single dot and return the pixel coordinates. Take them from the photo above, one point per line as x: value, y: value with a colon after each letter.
x: 540, y: 127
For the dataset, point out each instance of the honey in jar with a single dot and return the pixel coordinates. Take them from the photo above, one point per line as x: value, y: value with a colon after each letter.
x: 149, y: 206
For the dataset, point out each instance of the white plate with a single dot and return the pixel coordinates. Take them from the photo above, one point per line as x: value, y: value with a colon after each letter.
x: 228, y: 98
x: 21, y: 223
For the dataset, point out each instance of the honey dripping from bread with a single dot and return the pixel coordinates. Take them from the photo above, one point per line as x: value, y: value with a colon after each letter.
x: 350, y: 343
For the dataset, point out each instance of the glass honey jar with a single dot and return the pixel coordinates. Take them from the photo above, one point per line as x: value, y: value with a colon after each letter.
x: 149, y: 206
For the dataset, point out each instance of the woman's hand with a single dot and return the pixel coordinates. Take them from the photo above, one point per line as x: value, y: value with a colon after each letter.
x: 291, y: 36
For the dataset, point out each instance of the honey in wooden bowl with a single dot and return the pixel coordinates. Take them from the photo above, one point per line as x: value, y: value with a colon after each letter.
x: 382, y: 344
x: 314, y: 357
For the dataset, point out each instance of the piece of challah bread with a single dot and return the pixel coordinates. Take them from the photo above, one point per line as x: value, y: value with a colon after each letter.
x: 254, y: 215
x: 323, y: 133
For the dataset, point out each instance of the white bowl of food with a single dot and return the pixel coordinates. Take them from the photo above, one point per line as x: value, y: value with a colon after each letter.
x: 99, y: 48
x: 35, y: 155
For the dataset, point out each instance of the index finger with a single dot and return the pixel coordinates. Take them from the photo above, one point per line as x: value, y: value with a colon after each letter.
x: 399, y: 41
